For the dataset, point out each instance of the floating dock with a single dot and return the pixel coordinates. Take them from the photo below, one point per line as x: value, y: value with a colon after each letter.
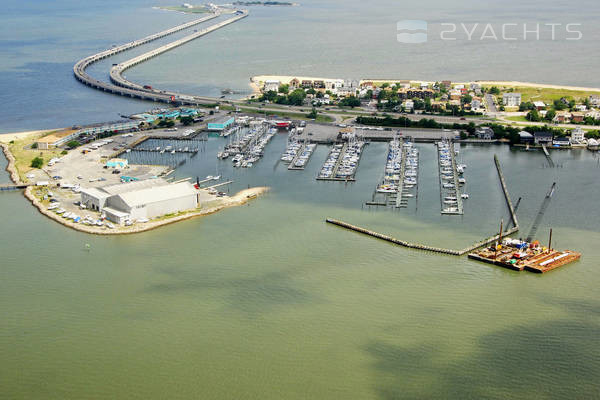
x: 452, y: 194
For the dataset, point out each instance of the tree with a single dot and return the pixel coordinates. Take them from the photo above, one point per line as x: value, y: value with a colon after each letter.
x: 313, y: 114
x: 311, y: 91
x: 533, y: 116
x: 296, y: 98
x: 494, y: 90
x: 466, y: 99
x: 285, y: 89
x: 187, y: 120
x: 37, y: 162
x: 550, y: 115
x: 559, y: 105
x: 34, y: 146
x: 73, y: 143
x: 350, y: 101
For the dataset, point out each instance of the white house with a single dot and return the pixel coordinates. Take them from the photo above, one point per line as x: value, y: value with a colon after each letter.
x: 271, y: 85
x: 511, y: 99
x: 577, y: 135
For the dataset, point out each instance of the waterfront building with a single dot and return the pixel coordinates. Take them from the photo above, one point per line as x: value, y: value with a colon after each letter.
x: 271, y: 85
x: 140, y: 199
x: 485, y: 133
x: 511, y: 99
x: 542, y: 137
x: 539, y: 105
x: 561, y: 141
x: 577, y: 135
x: 221, y: 124
x: 595, y: 100
x: 525, y: 137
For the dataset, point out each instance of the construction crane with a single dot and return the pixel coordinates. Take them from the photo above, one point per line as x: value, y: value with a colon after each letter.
x: 540, y: 214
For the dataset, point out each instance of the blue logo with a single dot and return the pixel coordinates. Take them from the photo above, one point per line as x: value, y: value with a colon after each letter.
x: 411, y: 31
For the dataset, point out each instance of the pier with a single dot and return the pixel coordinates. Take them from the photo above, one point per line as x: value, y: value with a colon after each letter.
x: 12, y: 186
x: 446, y: 166
x: 548, y: 158
x: 302, y: 157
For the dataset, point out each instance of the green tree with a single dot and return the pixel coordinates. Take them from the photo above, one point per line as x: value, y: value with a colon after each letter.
x: 533, y: 116
x: 466, y: 99
x: 37, y: 162
x: 311, y: 91
x: 187, y: 120
x: 351, y: 101
x: 296, y: 98
x: 313, y: 114
x: 494, y: 90
x: 64, y: 152
x: 285, y: 89
x: 550, y: 115
x: 33, y: 146
x: 559, y: 105
x: 73, y: 143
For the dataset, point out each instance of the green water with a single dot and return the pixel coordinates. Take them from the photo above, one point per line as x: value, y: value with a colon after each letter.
x: 266, y: 301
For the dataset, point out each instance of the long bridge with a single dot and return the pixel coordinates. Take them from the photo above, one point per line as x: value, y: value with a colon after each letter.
x: 123, y: 87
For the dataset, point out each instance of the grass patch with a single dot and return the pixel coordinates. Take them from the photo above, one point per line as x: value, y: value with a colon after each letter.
x: 24, y: 154
x: 546, y: 95
x: 517, y: 118
x: 283, y: 114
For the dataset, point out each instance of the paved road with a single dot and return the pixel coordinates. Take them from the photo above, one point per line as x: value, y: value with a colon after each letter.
x: 491, y: 105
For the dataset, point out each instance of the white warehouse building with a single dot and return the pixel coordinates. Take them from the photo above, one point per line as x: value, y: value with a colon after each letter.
x: 141, y: 199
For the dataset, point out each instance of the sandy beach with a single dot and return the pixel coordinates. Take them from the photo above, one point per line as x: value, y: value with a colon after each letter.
x: 285, y: 79
x: 7, y: 137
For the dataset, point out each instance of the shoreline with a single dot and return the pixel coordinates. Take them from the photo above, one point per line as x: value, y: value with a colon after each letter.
x: 240, y: 198
x: 284, y: 79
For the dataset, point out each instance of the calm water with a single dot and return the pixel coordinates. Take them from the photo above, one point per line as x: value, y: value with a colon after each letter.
x: 266, y: 301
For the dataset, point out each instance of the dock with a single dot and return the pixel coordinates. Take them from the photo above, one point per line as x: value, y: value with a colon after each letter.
x: 455, y: 191
x: 547, y: 154
x: 337, y: 165
x: 13, y: 186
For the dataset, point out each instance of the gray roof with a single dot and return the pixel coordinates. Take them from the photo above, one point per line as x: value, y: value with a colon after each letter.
x: 131, y: 186
x: 95, y: 192
x: 157, y: 194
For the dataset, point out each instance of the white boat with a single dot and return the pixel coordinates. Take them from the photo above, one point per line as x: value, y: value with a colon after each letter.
x: 464, y: 196
x: 143, y: 220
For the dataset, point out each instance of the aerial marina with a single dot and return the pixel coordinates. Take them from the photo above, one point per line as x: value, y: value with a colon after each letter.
x: 342, y: 161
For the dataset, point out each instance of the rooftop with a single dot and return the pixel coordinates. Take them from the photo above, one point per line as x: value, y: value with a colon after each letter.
x: 157, y: 193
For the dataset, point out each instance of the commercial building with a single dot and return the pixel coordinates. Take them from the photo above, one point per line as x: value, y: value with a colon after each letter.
x: 141, y: 199
x: 511, y: 99
x: 485, y: 133
x: 221, y: 124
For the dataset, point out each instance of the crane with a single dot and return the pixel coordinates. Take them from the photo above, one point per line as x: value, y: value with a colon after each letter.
x: 540, y: 214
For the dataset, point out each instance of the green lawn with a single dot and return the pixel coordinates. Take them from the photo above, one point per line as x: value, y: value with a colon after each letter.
x: 283, y: 114
x: 546, y: 95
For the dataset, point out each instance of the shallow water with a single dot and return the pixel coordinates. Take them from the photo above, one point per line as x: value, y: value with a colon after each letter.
x: 266, y: 301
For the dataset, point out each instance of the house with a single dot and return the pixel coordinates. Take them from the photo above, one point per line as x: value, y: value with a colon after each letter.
x: 409, y: 105
x: 307, y: 84
x: 403, y: 84
x: 367, y: 85
x: 485, y: 133
x: 562, y: 141
x: 580, y: 107
x: 525, y: 137
x: 539, y: 105
x: 542, y: 137
x: 221, y: 124
x: 475, y: 86
x: 593, y: 114
x: 319, y: 84
x: 577, y: 117
x: 271, y: 85
x: 424, y: 85
x: 577, y: 135
x: 294, y: 84
x: 459, y: 87
x: 476, y: 104
x: 446, y: 84
x: 455, y: 94
x: 511, y: 99
x: 595, y: 100
x: 561, y: 117
x: 412, y: 93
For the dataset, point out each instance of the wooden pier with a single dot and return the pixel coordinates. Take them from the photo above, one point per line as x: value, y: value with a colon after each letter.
x: 291, y: 166
x: 459, y: 203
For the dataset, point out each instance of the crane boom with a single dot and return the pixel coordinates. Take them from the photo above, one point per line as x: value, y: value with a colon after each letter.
x: 541, y: 212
